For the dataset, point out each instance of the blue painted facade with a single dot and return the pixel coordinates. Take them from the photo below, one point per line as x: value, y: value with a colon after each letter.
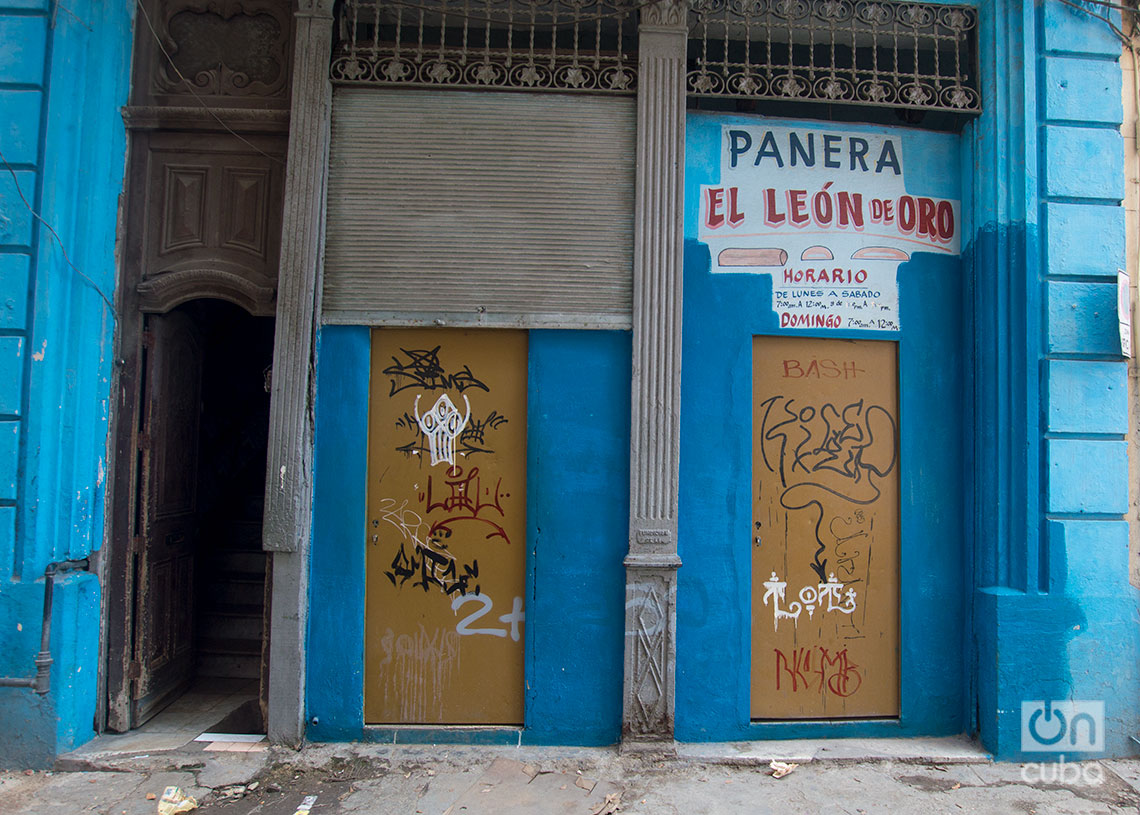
x: 1014, y: 559
x: 722, y: 313
x: 578, y: 415
x: 1037, y: 570
x: 1052, y: 596
x: 63, y: 79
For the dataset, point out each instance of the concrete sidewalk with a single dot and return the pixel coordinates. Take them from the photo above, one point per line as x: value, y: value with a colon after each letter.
x: 849, y: 776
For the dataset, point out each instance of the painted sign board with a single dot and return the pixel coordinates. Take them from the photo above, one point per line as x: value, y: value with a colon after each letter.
x: 828, y: 214
x: 1124, y: 312
x: 446, y: 530
x: 825, y: 531
x: 913, y: 685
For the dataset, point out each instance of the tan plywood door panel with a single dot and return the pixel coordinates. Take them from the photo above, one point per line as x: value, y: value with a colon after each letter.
x: 447, y: 527
x: 825, y: 536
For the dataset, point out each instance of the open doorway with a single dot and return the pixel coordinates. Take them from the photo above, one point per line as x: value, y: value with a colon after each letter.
x: 197, y: 633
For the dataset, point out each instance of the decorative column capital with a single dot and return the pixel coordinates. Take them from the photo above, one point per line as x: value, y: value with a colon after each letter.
x: 665, y: 14
x: 315, y: 8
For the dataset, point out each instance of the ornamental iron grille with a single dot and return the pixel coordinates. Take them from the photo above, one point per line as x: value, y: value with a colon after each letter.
x: 856, y: 52
x: 541, y: 45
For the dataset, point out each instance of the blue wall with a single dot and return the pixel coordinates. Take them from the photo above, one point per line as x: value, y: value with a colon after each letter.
x: 578, y: 415
x: 1014, y: 560
x: 63, y: 80
x: 722, y: 312
x: 1051, y: 616
x: 1055, y: 616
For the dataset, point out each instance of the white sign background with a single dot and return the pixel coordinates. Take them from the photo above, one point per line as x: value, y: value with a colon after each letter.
x: 825, y: 212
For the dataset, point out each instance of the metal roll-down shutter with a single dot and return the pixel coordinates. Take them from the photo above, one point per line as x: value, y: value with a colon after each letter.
x: 480, y: 208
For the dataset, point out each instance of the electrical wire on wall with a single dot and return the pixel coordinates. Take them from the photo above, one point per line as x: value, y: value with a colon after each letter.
x: 55, y: 236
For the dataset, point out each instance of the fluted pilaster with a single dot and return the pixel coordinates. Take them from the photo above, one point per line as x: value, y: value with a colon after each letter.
x: 652, y: 562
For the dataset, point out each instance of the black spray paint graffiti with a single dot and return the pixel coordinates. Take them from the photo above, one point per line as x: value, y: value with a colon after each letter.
x: 423, y: 552
x: 422, y: 369
x: 433, y: 569
x: 467, y: 506
x: 851, y: 532
x: 472, y: 439
x: 825, y: 451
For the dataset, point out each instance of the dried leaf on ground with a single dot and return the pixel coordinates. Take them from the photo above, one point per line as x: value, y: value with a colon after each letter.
x: 611, y: 804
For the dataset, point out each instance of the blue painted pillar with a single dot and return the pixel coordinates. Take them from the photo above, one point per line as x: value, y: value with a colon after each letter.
x: 1054, y: 615
x: 63, y: 80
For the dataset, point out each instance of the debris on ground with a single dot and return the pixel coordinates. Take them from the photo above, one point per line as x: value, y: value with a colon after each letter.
x: 175, y: 801
x: 307, y: 804
x: 611, y: 804
x: 781, y: 768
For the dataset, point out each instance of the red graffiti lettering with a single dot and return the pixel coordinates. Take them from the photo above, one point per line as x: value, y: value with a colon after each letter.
x: 821, y: 369
x: 835, y: 674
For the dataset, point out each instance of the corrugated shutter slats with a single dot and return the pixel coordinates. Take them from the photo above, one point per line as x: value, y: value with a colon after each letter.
x: 480, y: 208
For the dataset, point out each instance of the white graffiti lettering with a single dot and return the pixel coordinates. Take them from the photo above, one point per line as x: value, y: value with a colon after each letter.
x: 442, y: 425
x: 512, y: 619
x: 824, y: 597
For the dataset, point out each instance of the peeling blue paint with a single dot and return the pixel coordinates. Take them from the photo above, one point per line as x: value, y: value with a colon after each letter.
x: 1014, y: 563
x: 61, y: 89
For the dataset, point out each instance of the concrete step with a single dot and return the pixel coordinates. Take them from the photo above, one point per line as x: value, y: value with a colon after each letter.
x: 223, y: 561
x: 228, y: 645
x: 230, y: 666
x: 213, y: 625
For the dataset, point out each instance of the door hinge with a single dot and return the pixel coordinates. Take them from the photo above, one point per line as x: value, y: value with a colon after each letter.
x: 134, y: 669
x: 147, y: 339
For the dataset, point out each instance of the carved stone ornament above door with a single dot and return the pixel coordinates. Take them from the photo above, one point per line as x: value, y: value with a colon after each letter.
x: 223, y: 48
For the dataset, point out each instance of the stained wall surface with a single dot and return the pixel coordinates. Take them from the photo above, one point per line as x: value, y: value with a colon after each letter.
x: 63, y: 79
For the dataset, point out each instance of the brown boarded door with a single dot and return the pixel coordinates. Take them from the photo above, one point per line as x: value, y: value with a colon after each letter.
x: 825, y: 546
x: 447, y: 527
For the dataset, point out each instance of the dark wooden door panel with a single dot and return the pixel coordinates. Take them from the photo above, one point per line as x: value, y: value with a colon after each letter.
x: 164, y: 603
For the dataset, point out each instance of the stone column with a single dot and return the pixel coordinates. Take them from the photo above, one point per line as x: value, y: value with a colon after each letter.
x: 651, y: 566
x: 289, y: 486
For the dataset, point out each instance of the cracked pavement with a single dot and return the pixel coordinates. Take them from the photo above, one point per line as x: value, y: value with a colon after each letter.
x: 448, y: 780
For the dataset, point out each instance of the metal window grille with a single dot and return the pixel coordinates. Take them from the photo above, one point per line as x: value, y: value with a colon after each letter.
x: 558, y: 45
x: 862, y: 52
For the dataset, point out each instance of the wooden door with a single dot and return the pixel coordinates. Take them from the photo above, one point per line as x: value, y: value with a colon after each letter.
x: 825, y: 537
x: 165, y: 542
x: 447, y: 527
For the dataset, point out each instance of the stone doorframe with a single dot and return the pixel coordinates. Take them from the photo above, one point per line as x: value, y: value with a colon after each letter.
x: 651, y: 566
